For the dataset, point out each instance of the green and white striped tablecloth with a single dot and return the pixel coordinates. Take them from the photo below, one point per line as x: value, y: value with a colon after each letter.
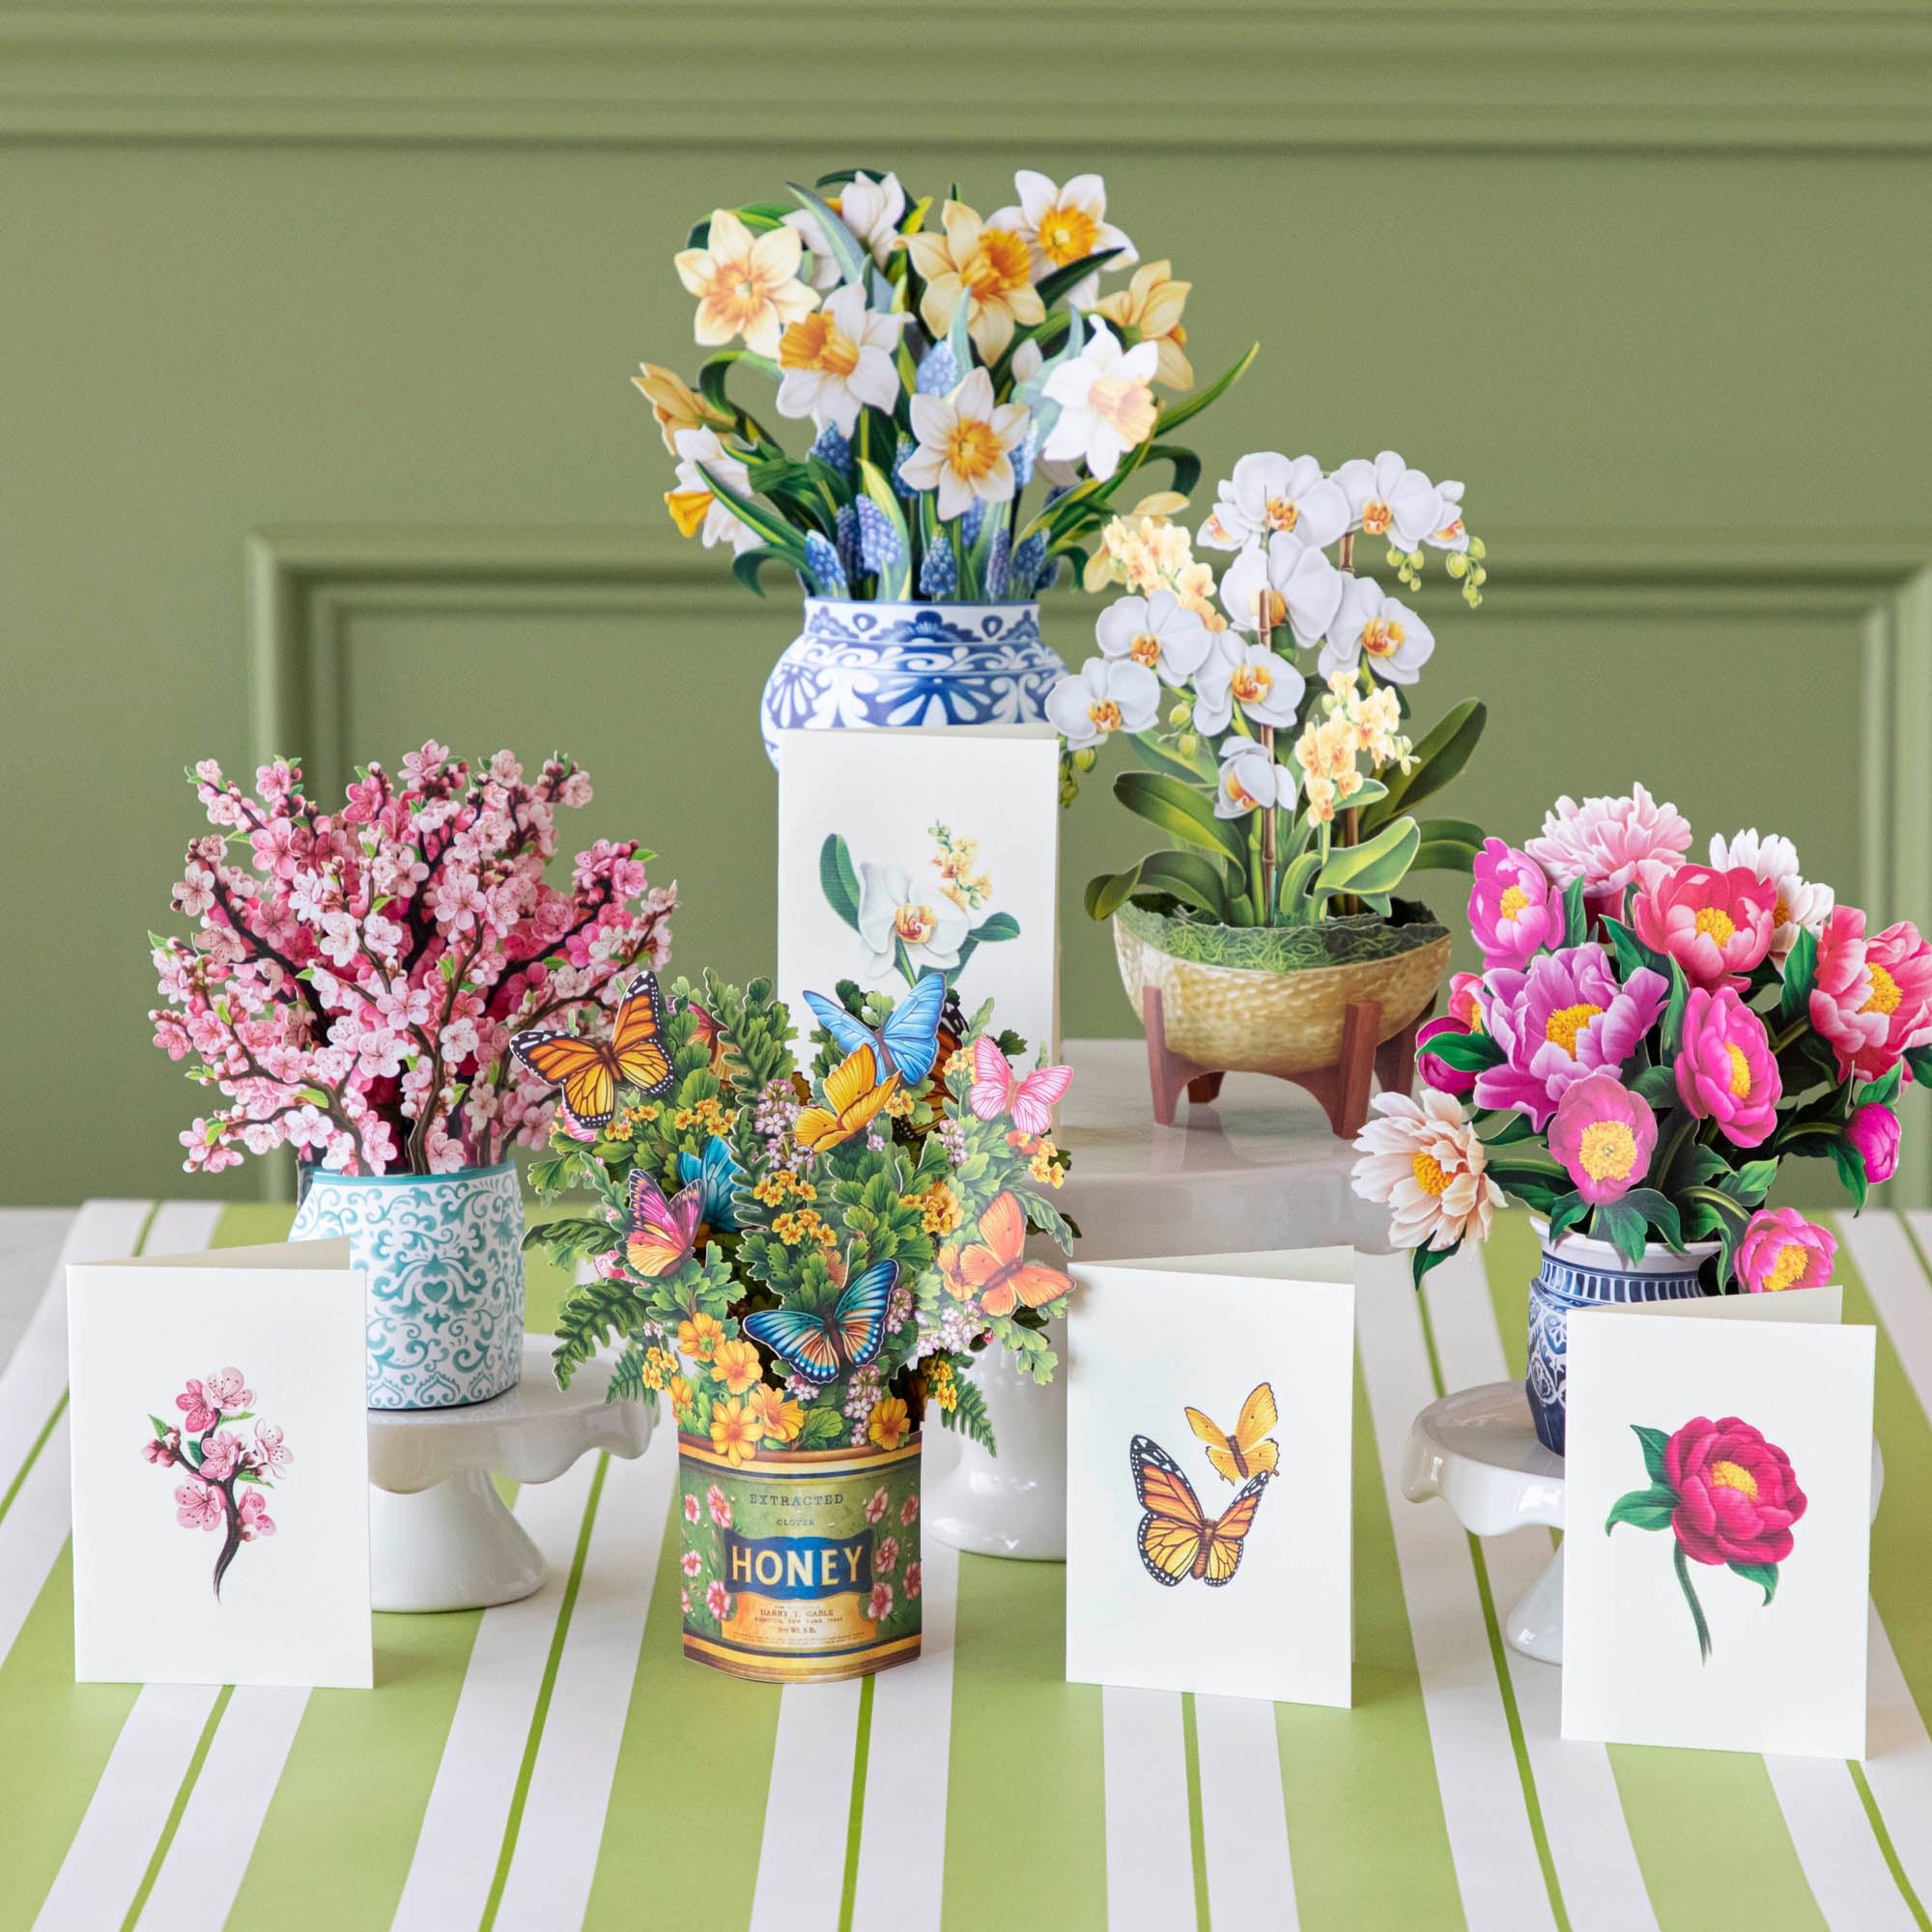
x: 557, y: 1762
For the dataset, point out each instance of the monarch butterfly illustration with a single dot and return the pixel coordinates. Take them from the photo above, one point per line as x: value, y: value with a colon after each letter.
x: 588, y: 1071
x: 1176, y: 1539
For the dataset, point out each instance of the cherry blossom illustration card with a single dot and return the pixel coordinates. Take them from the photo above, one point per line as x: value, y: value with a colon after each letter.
x: 1717, y: 1526
x: 906, y: 852
x: 1210, y: 1405
x: 220, y: 1468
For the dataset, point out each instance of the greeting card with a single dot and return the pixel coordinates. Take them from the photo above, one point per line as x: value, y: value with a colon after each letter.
x: 1210, y: 1408
x: 904, y: 852
x: 1718, y: 1516
x: 220, y: 1468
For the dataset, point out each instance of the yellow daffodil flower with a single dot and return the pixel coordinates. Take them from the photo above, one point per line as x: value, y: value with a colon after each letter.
x: 1151, y: 306
x: 746, y: 285
x: 989, y: 269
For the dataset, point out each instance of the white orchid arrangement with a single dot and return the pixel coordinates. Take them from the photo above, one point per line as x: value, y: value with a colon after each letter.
x: 1267, y: 838
x: 947, y: 365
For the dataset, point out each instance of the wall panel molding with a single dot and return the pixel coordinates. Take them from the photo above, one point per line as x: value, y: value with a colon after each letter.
x: 1755, y: 77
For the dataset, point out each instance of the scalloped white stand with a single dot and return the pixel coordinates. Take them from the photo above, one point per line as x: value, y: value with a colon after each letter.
x: 439, y: 1536
x: 1477, y: 1450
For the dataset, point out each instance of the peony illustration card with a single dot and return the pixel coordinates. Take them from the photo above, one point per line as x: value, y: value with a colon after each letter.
x: 220, y: 1468
x: 903, y: 852
x: 1717, y: 1526
x: 1209, y: 1406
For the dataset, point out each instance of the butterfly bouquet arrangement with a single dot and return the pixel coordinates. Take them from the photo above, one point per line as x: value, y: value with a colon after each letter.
x: 946, y: 361
x: 356, y: 972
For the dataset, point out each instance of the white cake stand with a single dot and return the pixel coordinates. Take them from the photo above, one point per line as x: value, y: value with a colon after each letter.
x: 439, y: 1536
x: 1477, y: 1450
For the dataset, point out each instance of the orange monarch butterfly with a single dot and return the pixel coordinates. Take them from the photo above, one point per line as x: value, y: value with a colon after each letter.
x: 588, y: 1071
x: 853, y: 1095
x: 1244, y: 1453
x: 994, y: 1270
x: 1176, y: 1539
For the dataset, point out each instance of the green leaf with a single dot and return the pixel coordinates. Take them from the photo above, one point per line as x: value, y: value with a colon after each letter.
x: 1448, y: 845
x: 1631, y: 952
x: 1658, y: 1212
x: 1672, y: 1037
x: 1751, y: 1182
x: 1656, y: 1085
x: 1576, y: 921
x: 1800, y: 973
x: 1422, y: 1260
x: 1655, y: 1443
x: 998, y: 926
x: 1200, y: 769
x: 1190, y: 876
x: 1179, y: 809
x: 1107, y: 892
x: 1438, y: 759
x: 1177, y: 413
x: 1883, y: 1091
x: 1466, y: 1052
x: 1567, y: 1213
x: 836, y: 879
x: 1050, y: 288
x: 1920, y: 1059
x: 1710, y: 1214
x: 1763, y: 1575
x: 1378, y: 865
x: 895, y: 583
x: 573, y: 1238
x: 748, y: 564
x: 1851, y: 1166
x: 768, y: 524
x: 1642, y: 1509
x: 852, y: 259
x: 1621, y: 1225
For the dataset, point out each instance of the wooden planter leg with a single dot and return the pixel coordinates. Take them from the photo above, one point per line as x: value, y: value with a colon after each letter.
x: 1362, y: 1022
x: 1395, y: 1058
x: 1168, y: 1074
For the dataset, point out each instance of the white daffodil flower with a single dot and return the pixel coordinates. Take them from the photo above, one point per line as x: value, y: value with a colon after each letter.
x: 1107, y: 404
x: 1063, y: 225
x: 1394, y: 639
x: 871, y: 210
x: 1105, y: 696
x: 1267, y: 493
x: 1158, y: 633
x: 963, y: 444
x: 838, y: 359
x: 693, y: 505
x: 1802, y: 907
x: 1303, y: 589
x: 894, y: 909
x: 1387, y: 499
x: 1250, y: 779
x: 1241, y: 672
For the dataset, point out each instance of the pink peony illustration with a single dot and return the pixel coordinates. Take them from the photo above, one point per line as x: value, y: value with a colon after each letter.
x: 1726, y: 1068
x: 1604, y: 1135
x: 1780, y: 1249
x: 1510, y: 908
x: 1603, y: 840
x: 228, y: 1480
x: 1716, y: 926
x: 1871, y: 997
x: 1873, y: 1129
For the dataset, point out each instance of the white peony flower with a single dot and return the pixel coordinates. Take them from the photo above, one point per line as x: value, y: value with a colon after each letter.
x: 1394, y: 639
x: 1240, y: 670
x: 1158, y: 632
x: 1107, y: 404
x: 892, y: 912
x: 1267, y: 493
x: 1250, y: 779
x: 1388, y: 498
x: 838, y: 359
x: 1304, y: 589
x: 1107, y: 695
x: 1423, y: 1162
x: 1802, y: 907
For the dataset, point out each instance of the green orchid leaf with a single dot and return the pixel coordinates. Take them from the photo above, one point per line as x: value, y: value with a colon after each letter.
x: 1378, y: 865
x: 1655, y: 1443
x: 1161, y: 756
x: 836, y: 879
x: 1642, y: 1509
x: 1107, y: 892
x: 1448, y: 845
x: 990, y: 931
x: 1192, y: 877
x: 1181, y: 809
x: 1438, y: 759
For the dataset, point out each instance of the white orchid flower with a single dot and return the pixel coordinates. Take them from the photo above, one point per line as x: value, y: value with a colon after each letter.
x: 1250, y: 779
x: 838, y: 359
x: 894, y: 911
x: 693, y: 505
x: 1106, y: 402
x: 1238, y: 671
x: 1451, y: 535
x: 1158, y: 632
x: 1105, y: 696
x: 1267, y: 493
x: 1388, y: 498
x: 963, y: 445
x: 1062, y: 225
x: 1394, y: 639
x: 1303, y: 589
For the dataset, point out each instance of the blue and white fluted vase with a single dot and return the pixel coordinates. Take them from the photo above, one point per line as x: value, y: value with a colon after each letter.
x: 1578, y: 1272
x: 444, y: 1255
x: 865, y: 665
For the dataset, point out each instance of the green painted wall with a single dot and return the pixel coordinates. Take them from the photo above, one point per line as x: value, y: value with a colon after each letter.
x: 313, y: 397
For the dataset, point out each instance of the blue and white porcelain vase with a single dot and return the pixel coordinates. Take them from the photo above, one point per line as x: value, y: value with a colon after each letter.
x: 872, y: 665
x: 1578, y: 1272
x: 444, y: 1260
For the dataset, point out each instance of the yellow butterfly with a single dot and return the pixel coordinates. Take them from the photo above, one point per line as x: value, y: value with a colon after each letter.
x: 1244, y: 1454
x: 853, y: 1095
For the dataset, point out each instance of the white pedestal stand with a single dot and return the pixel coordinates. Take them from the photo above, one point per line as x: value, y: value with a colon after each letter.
x: 439, y: 1536
x: 1477, y: 1450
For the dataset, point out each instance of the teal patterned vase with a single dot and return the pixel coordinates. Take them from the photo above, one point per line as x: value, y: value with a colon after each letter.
x: 443, y: 1256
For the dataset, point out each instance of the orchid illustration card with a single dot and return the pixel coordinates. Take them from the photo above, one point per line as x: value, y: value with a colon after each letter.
x: 220, y: 1468
x: 1210, y: 1405
x: 1717, y: 1526
x: 902, y: 852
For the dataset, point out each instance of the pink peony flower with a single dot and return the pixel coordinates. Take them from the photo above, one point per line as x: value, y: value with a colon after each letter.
x: 1716, y: 926
x: 1423, y: 1161
x: 1873, y: 1129
x: 1781, y: 1249
x: 1603, y: 840
x: 1726, y: 1068
x: 1604, y: 1135
x: 1563, y: 1018
x: 1510, y: 908
x: 1464, y: 1016
x: 1871, y: 997
x: 255, y: 1517
x: 879, y: 1605
x: 1737, y: 1495
x: 197, y: 1506
x: 914, y: 1578
x: 198, y: 1412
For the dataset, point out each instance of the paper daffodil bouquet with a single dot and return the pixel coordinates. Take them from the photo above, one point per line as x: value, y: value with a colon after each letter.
x: 947, y: 362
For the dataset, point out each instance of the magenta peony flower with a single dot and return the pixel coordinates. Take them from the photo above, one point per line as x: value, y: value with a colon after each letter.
x: 1726, y: 1068
x: 1873, y: 1129
x: 1716, y: 926
x: 1604, y: 1135
x: 1781, y: 1249
x: 1509, y: 909
x: 1737, y: 1496
x: 1603, y: 840
x: 1871, y: 997
x: 1563, y: 1018
x: 1464, y: 1016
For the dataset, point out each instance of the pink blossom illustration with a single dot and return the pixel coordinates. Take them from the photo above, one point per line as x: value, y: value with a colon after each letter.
x: 227, y: 1478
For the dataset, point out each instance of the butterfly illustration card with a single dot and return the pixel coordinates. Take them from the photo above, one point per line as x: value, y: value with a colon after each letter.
x: 1717, y: 1522
x: 220, y: 1462
x: 906, y: 853
x: 1209, y: 1407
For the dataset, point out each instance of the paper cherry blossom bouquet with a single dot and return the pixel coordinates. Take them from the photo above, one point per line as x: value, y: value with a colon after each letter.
x: 1267, y: 710
x: 1649, y: 1039
x: 970, y: 406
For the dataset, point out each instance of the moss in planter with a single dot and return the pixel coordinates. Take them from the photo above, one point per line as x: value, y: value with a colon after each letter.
x: 1278, y: 949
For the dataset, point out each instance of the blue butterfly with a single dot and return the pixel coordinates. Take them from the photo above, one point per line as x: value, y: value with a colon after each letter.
x: 823, y: 1347
x: 907, y: 1045
x: 721, y: 1176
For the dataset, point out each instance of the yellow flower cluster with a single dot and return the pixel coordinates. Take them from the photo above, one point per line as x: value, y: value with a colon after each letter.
x: 803, y: 1224
x: 781, y: 1185
x: 959, y: 1061
x: 1042, y: 1166
x: 901, y: 1102
x: 958, y: 879
x: 734, y: 1433
x: 660, y: 1365
x: 1373, y: 716
x: 709, y: 1113
x: 939, y: 1212
x: 1353, y: 722
x: 682, y: 1397
x: 627, y: 1124
x: 942, y: 1385
x: 1146, y: 551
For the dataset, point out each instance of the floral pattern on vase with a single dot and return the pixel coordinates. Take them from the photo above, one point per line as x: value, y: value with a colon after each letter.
x: 444, y: 1257
x: 857, y: 665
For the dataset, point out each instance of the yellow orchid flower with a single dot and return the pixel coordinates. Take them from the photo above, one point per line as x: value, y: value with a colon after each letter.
x: 1151, y: 306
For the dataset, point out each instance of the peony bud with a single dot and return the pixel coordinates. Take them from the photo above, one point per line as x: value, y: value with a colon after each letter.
x: 1873, y: 1129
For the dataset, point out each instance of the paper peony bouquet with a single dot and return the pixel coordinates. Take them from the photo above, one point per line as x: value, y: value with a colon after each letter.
x: 947, y: 364
x: 1648, y: 1040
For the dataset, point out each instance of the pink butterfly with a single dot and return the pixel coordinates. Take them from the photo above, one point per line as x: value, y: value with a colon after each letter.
x: 662, y: 1232
x: 1030, y: 1101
